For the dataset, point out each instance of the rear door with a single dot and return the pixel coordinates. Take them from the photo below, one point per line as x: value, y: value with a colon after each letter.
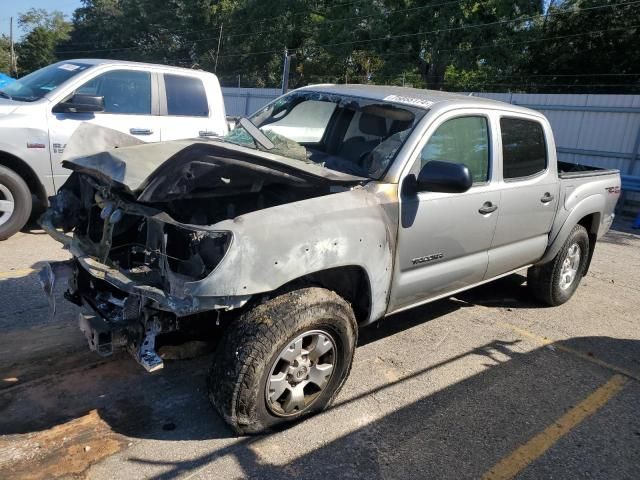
x: 130, y: 106
x: 529, y: 194
x: 444, y: 238
x: 184, y: 108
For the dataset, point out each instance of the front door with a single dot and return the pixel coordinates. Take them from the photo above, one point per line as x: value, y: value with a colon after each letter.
x: 444, y: 238
x: 128, y: 106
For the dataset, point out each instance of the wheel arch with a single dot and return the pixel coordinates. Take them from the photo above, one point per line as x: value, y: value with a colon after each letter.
x: 27, y: 174
x: 351, y: 282
x: 587, y: 213
x: 591, y: 223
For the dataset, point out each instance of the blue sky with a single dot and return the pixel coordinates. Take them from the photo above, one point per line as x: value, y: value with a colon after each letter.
x: 14, y: 8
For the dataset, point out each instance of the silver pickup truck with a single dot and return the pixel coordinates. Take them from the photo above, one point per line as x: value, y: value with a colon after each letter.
x: 329, y: 209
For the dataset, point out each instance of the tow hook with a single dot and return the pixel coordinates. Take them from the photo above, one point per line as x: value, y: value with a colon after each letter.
x: 145, y: 353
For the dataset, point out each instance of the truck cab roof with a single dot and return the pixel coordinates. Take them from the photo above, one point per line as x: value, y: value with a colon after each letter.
x: 107, y: 62
x: 416, y: 97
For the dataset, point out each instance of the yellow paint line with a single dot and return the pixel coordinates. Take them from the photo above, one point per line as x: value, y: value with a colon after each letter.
x: 573, y: 351
x: 16, y: 273
x: 521, y: 457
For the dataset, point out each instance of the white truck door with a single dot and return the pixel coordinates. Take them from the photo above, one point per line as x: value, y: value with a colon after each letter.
x: 529, y: 191
x: 130, y: 106
x: 184, y: 109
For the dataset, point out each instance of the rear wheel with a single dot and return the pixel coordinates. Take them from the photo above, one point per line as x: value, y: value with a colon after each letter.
x: 283, y: 360
x: 556, y: 281
x: 15, y: 203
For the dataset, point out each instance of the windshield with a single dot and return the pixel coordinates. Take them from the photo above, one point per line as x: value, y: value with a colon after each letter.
x: 349, y: 134
x: 37, y: 84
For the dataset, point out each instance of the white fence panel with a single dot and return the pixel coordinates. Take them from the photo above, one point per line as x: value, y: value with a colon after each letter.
x: 241, y: 102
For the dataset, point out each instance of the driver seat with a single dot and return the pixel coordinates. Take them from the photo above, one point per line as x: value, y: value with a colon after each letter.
x: 355, y: 147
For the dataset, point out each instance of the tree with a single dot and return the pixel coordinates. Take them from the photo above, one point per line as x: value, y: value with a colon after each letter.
x: 46, y: 30
x: 586, y: 46
x: 141, y: 30
x: 5, y: 54
x: 452, y: 44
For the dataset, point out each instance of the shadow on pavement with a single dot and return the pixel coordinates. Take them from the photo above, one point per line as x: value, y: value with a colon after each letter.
x: 458, y: 432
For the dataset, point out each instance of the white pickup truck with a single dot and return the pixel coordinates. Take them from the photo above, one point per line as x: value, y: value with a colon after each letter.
x: 40, y: 112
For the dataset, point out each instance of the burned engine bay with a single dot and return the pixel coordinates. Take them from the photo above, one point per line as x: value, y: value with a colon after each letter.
x: 140, y: 239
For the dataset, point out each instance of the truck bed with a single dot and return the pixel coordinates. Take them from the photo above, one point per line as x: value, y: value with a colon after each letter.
x: 568, y: 170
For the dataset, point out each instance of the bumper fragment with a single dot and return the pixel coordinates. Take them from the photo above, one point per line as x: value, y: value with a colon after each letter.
x: 100, y: 334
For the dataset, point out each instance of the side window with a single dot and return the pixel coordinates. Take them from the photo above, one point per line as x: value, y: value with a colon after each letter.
x: 461, y: 140
x: 524, y: 152
x: 305, y: 123
x: 124, y: 91
x: 185, y: 96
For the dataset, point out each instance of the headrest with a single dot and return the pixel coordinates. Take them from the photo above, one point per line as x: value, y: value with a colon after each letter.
x: 399, y: 126
x: 372, y: 125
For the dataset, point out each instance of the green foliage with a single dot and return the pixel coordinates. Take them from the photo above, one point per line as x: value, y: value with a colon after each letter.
x: 454, y: 44
x: 594, y: 50
x: 5, y: 54
x: 46, y: 32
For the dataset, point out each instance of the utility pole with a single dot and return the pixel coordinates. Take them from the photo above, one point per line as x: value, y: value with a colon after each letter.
x: 285, y: 71
x: 215, y: 67
x: 13, y: 68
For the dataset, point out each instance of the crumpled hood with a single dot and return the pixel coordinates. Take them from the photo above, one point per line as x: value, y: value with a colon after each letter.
x: 156, y: 167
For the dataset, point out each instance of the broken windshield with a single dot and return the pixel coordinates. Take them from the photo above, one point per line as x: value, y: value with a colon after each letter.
x: 348, y: 134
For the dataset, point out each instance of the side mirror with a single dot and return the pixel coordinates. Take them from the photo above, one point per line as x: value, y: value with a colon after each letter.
x: 444, y: 177
x: 80, y: 104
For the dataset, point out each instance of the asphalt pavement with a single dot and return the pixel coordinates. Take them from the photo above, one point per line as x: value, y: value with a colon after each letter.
x: 486, y: 384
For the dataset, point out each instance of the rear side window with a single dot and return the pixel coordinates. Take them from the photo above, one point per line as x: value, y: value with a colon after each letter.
x: 185, y: 96
x: 461, y: 140
x: 524, y: 152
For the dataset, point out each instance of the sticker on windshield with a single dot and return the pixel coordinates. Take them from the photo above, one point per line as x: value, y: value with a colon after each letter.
x: 69, y: 67
x: 409, y: 100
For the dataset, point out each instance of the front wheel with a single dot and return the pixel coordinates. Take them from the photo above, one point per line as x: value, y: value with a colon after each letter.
x: 15, y: 203
x: 556, y: 281
x: 282, y: 360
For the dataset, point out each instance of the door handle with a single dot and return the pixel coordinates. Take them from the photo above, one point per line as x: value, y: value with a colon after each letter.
x: 140, y: 131
x: 487, y: 208
x: 206, y: 133
x: 546, y: 198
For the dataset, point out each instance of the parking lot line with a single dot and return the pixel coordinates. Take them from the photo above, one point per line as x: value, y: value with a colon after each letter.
x: 573, y: 351
x: 520, y: 458
x: 16, y: 273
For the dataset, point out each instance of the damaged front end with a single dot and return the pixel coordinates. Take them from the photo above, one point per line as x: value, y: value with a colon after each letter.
x: 140, y: 222
x: 130, y: 267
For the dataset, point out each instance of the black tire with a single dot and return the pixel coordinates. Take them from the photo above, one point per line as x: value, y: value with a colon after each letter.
x: 252, y: 343
x: 22, y: 202
x: 544, y: 281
